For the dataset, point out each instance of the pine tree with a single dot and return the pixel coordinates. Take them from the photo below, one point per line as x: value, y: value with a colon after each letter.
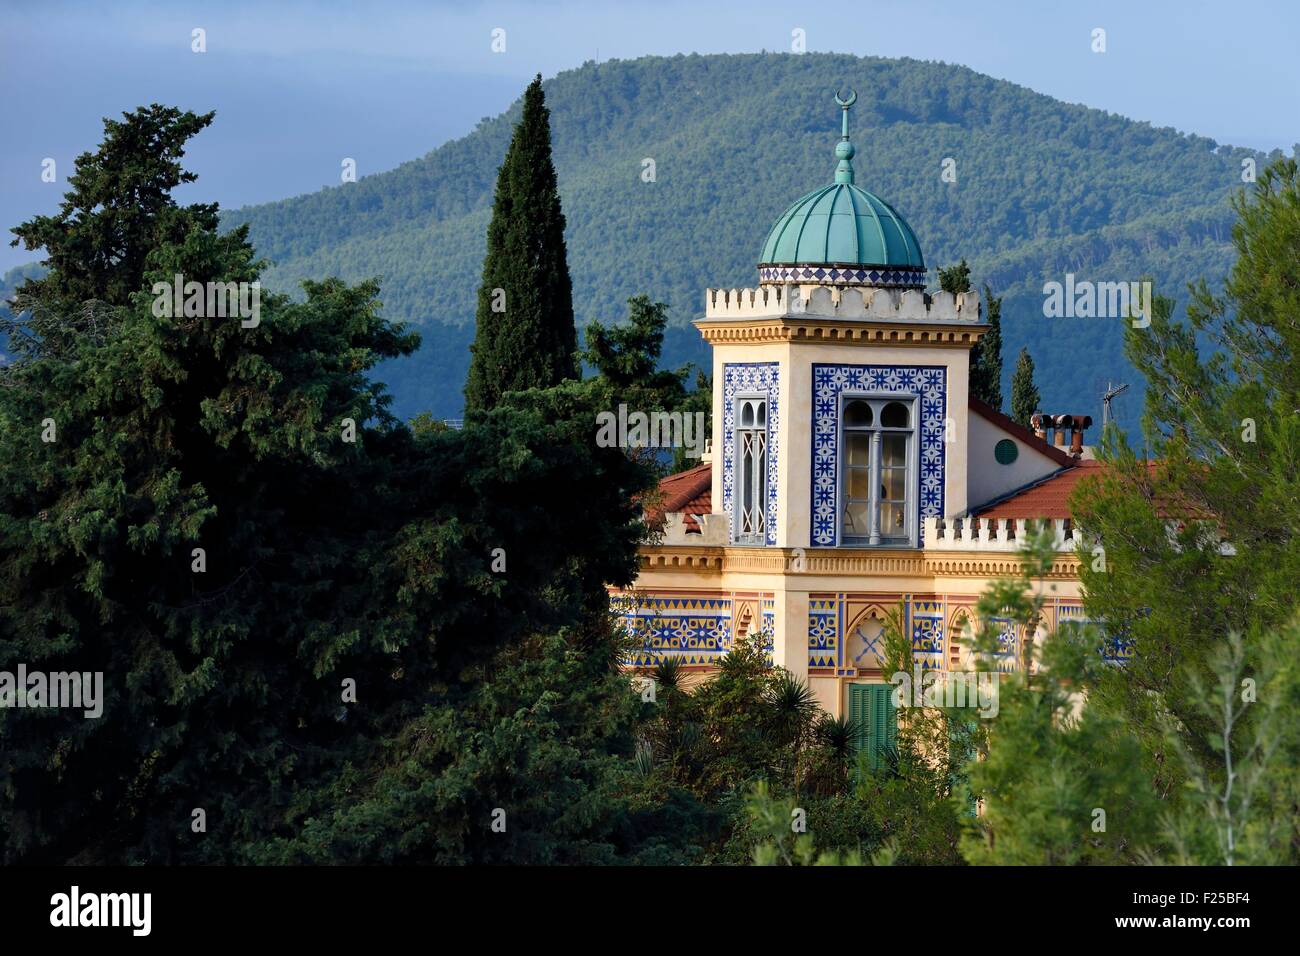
x: 986, y: 356
x: 1061, y: 784
x: 1198, y: 517
x: 1024, y: 393
x: 525, y: 334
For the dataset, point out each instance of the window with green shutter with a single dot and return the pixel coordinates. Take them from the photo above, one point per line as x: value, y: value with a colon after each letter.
x: 871, y: 708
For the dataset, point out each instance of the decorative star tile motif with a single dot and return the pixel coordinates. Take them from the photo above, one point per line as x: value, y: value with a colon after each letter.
x: 695, y: 630
x: 927, y: 634
x: 823, y: 632
x: 929, y: 382
x: 761, y: 377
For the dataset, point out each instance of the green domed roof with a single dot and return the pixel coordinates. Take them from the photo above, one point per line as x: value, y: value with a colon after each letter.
x: 842, y: 224
x: 844, y: 233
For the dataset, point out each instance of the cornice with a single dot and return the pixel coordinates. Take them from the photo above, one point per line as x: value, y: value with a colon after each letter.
x: 843, y: 562
x: 828, y: 331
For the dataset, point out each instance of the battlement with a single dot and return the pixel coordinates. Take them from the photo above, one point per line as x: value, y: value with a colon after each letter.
x: 863, y: 304
x: 992, y: 534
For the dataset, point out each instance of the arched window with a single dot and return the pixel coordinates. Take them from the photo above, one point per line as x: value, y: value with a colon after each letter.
x: 878, y: 471
x: 866, y: 642
x: 751, y: 471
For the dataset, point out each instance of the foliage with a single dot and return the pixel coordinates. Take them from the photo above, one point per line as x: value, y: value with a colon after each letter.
x: 324, y: 561
x: 955, y: 279
x: 1199, y: 521
x: 1240, y: 809
x: 117, y: 211
x: 986, y: 356
x: 1025, y: 399
x: 626, y: 360
x: 774, y: 823
x: 1159, y: 205
x: 525, y: 335
x: 1060, y: 780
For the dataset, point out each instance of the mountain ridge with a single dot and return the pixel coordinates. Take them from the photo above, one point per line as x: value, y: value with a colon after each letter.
x: 1043, y: 187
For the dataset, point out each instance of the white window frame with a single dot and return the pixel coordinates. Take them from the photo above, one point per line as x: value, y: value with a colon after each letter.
x: 912, y: 488
x: 756, y: 533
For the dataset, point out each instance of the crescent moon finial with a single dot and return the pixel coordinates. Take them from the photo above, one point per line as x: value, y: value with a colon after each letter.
x: 845, y: 104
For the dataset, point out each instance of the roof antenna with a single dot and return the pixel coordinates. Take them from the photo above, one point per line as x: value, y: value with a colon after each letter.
x: 1111, y: 392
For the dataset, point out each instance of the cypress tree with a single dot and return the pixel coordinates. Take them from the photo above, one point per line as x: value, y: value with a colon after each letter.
x: 525, y: 336
x: 986, y: 356
x: 1024, y: 393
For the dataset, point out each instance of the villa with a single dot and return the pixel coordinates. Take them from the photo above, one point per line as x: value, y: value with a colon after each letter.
x: 850, y: 472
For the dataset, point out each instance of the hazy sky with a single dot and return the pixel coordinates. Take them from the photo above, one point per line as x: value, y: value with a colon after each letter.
x: 299, y: 85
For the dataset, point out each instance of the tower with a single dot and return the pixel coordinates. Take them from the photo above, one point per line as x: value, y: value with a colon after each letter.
x: 840, y: 386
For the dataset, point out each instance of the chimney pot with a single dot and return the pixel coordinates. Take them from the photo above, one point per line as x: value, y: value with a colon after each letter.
x: 1040, y: 423
x: 1080, y: 422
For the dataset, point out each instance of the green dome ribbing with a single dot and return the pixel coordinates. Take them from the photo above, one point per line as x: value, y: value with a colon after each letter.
x: 844, y: 225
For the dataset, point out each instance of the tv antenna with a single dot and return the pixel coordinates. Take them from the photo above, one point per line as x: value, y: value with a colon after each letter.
x: 1111, y: 392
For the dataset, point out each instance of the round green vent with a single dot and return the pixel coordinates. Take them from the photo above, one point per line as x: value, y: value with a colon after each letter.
x: 1006, y: 451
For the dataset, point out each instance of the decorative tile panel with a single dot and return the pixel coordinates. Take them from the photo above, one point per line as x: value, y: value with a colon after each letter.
x: 769, y: 626
x: 832, y: 275
x: 747, y: 378
x: 927, y: 634
x: 927, y: 382
x: 1116, y: 649
x: 823, y: 632
x: 1007, y: 657
x: 693, y: 629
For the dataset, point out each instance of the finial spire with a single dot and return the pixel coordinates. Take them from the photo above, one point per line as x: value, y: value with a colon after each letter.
x: 844, y: 149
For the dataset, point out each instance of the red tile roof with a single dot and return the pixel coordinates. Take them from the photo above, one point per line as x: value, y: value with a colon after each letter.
x: 1047, y: 498
x: 687, y: 491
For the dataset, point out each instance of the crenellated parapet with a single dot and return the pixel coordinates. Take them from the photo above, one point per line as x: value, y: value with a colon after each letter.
x: 993, y: 534
x: 713, y: 530
x: 828, y: 302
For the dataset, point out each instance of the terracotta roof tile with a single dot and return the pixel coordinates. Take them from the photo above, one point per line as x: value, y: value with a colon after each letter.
x: 687, y: 491
x: 1047, y: 498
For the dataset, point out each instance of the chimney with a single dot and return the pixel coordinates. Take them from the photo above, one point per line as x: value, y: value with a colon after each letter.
x: 1062, y: 422
x: 1040, y: 423
x: 1080, y: 422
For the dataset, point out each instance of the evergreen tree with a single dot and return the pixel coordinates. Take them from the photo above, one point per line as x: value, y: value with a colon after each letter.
x: 986, y: 356
x: 525, y: 334
x: 118, y: 209
x: 1199, y: 520
x: 271, y: 574
x: 1024, y: 393
x: 626, y: 359
x: 955, y: 279
x: 1062, y: 781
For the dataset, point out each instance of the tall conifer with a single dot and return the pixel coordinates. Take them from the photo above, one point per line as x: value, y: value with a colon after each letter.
x: 986, y: 356
x: 525, y: 335
x: 1024, y: 393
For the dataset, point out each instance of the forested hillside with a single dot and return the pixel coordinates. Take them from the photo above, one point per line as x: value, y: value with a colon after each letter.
x: 1043, y: 188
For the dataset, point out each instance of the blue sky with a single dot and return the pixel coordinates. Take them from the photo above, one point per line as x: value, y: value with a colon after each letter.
x: 298, y: 85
